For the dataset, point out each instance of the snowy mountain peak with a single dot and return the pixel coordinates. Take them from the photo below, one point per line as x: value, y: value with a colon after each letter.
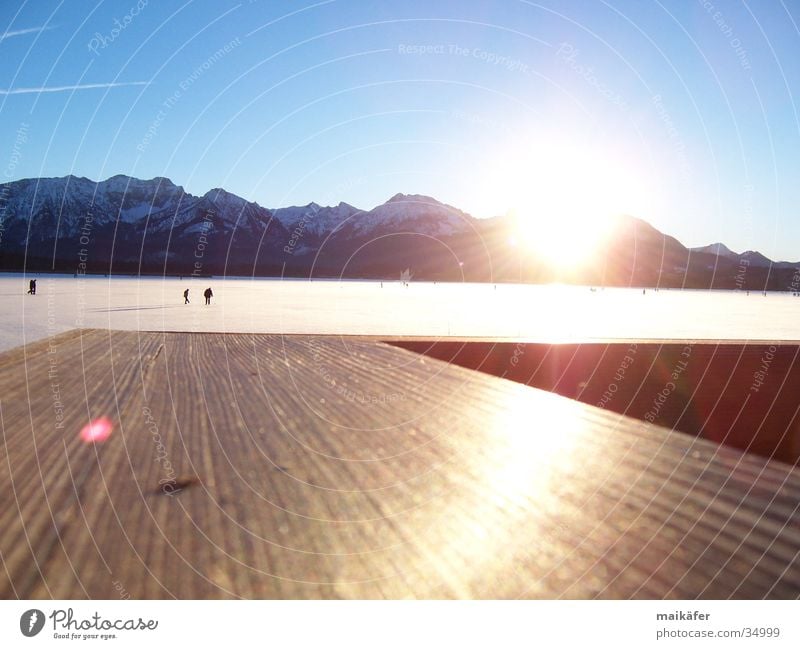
x: 218, y: 192
x: 718, y: 249
x: 414, y: 213
x: 226, y: 201
x: 413, y: 198
x: 71, y: 178
x: 748, y: 257
x: 121, y: 184
x: 315, y: 218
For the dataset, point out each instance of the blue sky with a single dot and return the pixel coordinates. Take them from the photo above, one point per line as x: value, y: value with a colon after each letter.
x: 682, y: 113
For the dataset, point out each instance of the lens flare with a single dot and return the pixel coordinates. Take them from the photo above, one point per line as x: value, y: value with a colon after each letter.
x: 97, y: 430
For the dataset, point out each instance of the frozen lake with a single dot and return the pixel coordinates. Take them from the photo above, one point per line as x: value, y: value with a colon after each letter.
x: 544, y: 313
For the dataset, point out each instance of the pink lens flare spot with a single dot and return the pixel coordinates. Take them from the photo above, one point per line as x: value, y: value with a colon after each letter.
x: 97, y: 430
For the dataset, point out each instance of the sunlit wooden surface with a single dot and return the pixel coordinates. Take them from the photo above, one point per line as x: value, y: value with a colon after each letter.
x: 262, y: 466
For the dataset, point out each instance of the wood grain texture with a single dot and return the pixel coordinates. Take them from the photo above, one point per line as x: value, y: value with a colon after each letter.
x: 303, y: 467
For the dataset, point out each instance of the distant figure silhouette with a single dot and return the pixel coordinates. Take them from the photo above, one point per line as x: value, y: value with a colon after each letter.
x: 186, y: 296
x: 208, y: 294
x: 32, y: 287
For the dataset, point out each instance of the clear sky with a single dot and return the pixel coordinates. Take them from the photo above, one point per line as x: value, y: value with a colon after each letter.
x: 682, y: 113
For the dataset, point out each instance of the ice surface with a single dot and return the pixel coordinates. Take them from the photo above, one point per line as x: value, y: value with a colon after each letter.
x: 546, y: 313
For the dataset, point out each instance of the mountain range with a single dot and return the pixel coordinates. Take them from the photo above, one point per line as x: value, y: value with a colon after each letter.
x: 127, y: 225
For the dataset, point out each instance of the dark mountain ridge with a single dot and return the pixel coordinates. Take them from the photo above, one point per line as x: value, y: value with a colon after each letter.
x: 129, y: 225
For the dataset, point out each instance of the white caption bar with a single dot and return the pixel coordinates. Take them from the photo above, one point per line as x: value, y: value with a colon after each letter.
x: 399, y: 624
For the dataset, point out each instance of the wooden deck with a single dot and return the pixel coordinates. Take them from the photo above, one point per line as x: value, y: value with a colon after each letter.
x: 261, y: 466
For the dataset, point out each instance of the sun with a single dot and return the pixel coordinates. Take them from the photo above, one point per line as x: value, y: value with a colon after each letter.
x: 565, y: 197
x: 563, y: 237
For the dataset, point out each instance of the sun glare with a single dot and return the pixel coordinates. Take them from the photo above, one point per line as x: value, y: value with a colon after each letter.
x: 563, y: 236
x: 565, y: 198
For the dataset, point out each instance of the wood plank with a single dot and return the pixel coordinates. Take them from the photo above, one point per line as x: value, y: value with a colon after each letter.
x: 740, y: 395
x: 326, y: 467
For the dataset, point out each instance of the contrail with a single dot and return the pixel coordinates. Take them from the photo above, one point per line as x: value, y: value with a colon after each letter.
x: 22, y: 32
x: 83, y: 86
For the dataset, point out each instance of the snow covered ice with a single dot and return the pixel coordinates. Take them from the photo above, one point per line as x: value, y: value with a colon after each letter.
x: 549, y: 313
